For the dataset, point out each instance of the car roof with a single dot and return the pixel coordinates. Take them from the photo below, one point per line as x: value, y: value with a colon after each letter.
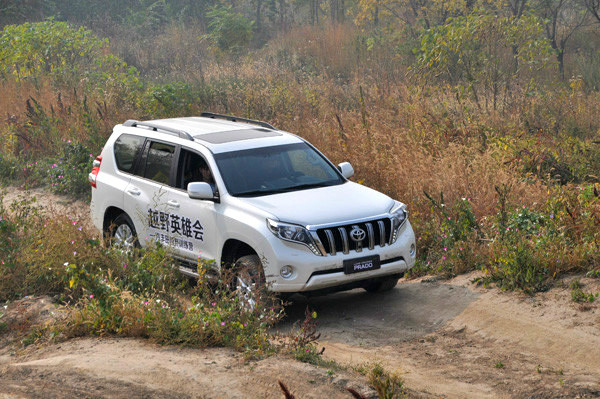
x: 219, y: 135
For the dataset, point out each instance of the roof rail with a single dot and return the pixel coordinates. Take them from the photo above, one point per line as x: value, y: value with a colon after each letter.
x: 236, y: 119
x: 156, y: 127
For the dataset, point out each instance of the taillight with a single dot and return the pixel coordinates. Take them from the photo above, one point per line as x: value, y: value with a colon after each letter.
x: 95, y: 169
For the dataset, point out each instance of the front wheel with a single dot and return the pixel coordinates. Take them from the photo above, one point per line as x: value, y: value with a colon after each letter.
x: 383, y: 284
x: 249, y: 280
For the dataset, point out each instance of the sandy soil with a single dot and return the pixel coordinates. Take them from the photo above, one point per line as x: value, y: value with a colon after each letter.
x: 447, y: 339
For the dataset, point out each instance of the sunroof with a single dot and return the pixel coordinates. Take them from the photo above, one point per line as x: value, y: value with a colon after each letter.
x: 236, y: 135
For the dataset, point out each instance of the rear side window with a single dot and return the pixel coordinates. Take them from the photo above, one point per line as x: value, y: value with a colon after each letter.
x: 127, y: 147
x: 158, y: 162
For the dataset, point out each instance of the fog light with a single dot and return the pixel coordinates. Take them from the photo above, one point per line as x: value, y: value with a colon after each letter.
x: 413, y: 250
x: 287, y: 271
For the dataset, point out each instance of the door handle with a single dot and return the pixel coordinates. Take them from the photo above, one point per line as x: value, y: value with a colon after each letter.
x: 173, y: 203
x: 134, y: 191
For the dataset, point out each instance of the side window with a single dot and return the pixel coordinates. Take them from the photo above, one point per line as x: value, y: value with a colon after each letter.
x: 158, y: 162
x: 192, y: 168
x: 126, y: 148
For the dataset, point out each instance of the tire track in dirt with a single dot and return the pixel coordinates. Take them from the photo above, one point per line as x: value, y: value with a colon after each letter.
x: 459, y: 341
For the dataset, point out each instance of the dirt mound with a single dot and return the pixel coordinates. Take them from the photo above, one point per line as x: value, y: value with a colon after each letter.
x: 120, y: 368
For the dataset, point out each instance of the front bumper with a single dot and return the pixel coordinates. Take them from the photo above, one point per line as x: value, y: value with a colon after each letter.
x: 312, y: 272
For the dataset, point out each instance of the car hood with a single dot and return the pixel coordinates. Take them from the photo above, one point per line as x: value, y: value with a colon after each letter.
x: 334, y: 204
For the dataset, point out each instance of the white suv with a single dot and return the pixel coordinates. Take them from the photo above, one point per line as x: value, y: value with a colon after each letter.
x: 249, y: 196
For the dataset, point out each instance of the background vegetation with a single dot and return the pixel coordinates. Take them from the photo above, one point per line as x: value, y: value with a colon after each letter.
x: 481, y: 115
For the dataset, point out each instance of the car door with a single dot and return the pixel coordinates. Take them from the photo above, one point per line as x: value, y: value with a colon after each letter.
x: 146, y: 195
x: 193, y: 222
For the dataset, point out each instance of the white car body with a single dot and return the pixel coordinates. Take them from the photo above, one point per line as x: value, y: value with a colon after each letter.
x: 234, y: 222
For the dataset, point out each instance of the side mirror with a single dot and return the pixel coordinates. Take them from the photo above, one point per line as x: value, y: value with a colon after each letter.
x: 346, y: 169
x: 202, y: 191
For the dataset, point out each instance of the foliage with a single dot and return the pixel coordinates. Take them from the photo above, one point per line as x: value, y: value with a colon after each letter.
x: 387, y: 386
x: 577, y: 294
x: 68, y: 174
x: 304, y: 338
x: 532, y: 247
x: 108, y: 292
x: 451, y: 240
x: 212, y: 317
x: 483, y: 53
x: 356, y: 100
x: 65, y: 55
x: 29, y: 50
x: 174, y: 99
x: 229, y: 30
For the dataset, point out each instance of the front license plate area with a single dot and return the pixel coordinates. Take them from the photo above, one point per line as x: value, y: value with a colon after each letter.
x: 362, y: 264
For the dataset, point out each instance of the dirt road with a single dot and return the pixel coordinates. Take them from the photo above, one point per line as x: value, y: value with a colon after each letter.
x: 447, y: 339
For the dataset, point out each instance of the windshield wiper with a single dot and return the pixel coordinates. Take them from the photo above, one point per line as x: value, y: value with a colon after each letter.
x: 306, y: 186
x: 252, y: 193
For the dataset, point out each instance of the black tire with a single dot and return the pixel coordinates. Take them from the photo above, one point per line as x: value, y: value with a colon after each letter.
x: 122, y: 233
x: 383, y: 284
x: 249, y: 279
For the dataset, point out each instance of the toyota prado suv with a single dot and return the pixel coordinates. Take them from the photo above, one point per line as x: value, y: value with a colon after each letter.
x: 242, y: 193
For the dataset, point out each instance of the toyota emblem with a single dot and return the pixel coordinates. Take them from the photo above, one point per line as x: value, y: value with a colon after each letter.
x: 357, y: 234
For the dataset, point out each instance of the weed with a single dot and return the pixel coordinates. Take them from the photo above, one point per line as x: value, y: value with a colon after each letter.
x: 108, y: 292
x: 304, y: 339
x: 499, y: 365
x: 578, y: 295
x: 593, y: 274
x: 387, y: 386
x: 67, y: 174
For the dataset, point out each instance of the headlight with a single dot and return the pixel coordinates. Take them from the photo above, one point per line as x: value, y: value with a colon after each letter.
x: 399, y: 216
x: 293, y: 233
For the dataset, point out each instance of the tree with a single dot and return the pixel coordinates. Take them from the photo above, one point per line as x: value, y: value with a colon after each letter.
x: 229, y: 30
x: 561, y: 19
x: 593, y: 7
x: 475, y: 53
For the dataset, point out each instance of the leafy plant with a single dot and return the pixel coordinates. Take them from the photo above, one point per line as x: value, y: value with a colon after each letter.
x: 229, y: 30
x: 387, y: 386
x: 578, y: 295
x: 68, y: 173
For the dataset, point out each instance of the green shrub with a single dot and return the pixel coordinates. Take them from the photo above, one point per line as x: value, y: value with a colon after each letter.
x: 454, y: 246
x: 174, y: 99
x: 68, y: 173
x: 387, y: 386
x: 578, y: 295
x: 67, y: 56
x: 517, y: 264
x: 229, y: 30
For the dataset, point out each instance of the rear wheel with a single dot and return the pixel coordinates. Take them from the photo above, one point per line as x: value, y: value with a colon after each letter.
x: 122, y: 234
x: 383, y: 284
x: 249, y: 280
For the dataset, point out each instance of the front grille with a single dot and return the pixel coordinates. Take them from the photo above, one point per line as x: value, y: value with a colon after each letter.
x: 338, y: 238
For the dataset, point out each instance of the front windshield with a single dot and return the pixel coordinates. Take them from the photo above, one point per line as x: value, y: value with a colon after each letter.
x: 277, y: 169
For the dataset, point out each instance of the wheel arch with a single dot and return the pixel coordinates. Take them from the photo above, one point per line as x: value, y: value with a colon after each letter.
x: 234, y: 249
x: 110, y: 214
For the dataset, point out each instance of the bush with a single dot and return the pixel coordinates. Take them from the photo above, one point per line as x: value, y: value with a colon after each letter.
x: 451, y: 239
x: 59, y: 51
x: 68, y: 173
x: 211, y: 316
x: 229, y: 30
x: 108, y: 292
